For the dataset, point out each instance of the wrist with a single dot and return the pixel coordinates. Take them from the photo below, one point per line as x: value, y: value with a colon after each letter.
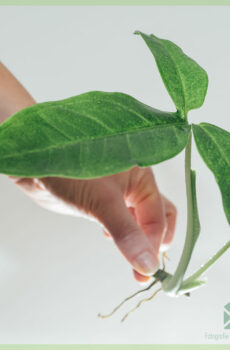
x: 13, y: 96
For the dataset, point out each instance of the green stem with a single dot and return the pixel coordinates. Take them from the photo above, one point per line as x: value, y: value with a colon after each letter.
x: 208, y: 264
x: 172, y: 284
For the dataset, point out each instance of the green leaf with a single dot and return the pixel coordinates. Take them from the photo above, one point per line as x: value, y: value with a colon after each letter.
x: 213, y: 144
x: 87, y: 136
x: 184, y: 79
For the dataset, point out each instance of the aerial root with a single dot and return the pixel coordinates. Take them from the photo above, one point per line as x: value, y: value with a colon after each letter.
x: 127, y: 299
x: 139, y: 304
x: 163, y: 257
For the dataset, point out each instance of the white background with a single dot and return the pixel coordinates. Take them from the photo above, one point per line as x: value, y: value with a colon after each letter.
x: 57, y: 272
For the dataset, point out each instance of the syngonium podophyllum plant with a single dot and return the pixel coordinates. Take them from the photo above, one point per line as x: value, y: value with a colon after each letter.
x: 103, y: 133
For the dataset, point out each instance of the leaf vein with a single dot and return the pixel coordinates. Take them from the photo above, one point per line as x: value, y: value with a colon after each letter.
x: 73, y: 143
x: 41, y: 115
x: 217, y: 145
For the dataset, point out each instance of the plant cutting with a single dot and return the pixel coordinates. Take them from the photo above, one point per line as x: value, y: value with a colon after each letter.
x: 102, y: 133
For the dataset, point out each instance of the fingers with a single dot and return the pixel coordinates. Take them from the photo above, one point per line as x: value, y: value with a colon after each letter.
x: 141, y: 278
x: 171, y: 217
x: 130, y: 239
x: 149, y: 209
x: 154, y: 214
x: 28, y: 185
x: 107, y: 234
x: 132, y: 212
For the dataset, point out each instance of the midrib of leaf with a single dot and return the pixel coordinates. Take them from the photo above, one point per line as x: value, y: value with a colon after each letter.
x: 217, y: 145
x: 70, y: 143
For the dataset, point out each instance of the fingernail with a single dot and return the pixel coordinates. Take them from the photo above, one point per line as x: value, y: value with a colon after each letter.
x: 146, y: 263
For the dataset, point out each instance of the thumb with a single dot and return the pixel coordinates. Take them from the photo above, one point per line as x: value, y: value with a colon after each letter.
x: 129, y: 238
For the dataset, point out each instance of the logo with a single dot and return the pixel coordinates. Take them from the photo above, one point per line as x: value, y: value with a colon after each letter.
x: 227, y: 316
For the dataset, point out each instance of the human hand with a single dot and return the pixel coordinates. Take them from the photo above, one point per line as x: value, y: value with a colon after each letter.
x: 129, y: 206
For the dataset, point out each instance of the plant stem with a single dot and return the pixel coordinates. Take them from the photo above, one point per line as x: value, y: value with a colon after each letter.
x: 208, y: 264
x: 172, y: 284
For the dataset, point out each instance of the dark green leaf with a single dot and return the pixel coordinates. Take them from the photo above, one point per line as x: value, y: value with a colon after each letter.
x: 87, y: 136
x: 213, y: 144
x: 184, y: 79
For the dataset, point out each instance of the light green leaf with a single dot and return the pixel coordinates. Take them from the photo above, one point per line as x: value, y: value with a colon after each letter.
x: 213, y: 144
x: 187, y: 287
x: 196, y: 275
x: 87, y: 136
x: 184, y: 79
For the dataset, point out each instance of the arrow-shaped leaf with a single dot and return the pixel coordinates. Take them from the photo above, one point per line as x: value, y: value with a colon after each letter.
x: 184, y: 79
x: 213, y: 144
x: 90, y: 135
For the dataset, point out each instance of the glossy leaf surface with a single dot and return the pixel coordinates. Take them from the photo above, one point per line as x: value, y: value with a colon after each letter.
x: 87, y: 136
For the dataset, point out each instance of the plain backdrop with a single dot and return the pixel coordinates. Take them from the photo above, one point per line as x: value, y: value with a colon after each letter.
x: 57, y: 272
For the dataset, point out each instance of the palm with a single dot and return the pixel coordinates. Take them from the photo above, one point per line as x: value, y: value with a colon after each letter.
x: 129, y: 206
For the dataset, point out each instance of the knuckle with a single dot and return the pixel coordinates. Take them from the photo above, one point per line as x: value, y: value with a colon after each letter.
x: 174, y: 211
x: 155, y: 226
